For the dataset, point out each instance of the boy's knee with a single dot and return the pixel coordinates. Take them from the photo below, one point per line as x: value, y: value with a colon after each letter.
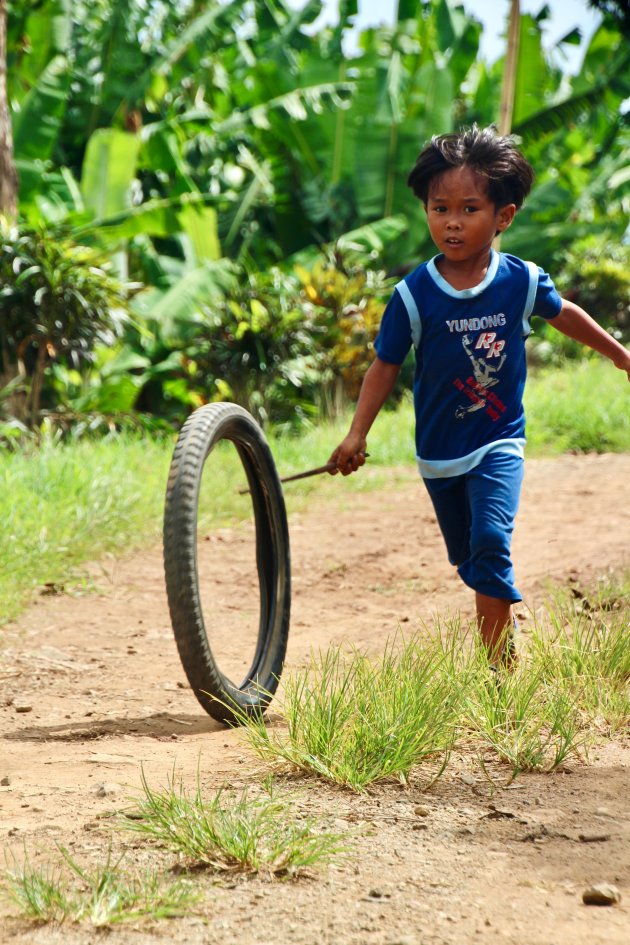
x: 490, y: 539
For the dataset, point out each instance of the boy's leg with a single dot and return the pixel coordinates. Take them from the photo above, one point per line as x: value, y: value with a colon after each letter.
x: 496, y: 621
x: 476, y: 513
x: 493, y: 490
x: 452, y: 511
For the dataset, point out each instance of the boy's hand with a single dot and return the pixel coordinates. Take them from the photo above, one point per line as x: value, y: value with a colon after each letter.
x: 623, y: 362
x: 349, y: 455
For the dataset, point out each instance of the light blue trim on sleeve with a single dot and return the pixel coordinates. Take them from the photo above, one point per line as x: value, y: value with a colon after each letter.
x: 443, y: 469
x: 412, y: 311
x: 531, y: 298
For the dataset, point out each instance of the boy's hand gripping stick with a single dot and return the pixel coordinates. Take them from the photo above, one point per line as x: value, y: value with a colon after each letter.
x: 328, y: 467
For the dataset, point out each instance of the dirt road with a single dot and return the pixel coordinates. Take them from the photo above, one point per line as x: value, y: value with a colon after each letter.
x: 91, y: 689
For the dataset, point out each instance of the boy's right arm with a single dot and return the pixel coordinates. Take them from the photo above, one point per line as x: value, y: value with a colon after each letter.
x: 377, y: 385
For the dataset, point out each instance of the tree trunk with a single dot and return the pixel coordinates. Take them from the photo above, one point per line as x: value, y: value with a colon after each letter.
x: 8, y: 173
x: 509, y: 80
x: 511, y: 66
x: 33, y: 400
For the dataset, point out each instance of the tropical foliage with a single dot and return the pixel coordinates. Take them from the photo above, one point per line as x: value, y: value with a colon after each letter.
x: 233, y: 159
x: 57, y: 301
x: 599, y: 273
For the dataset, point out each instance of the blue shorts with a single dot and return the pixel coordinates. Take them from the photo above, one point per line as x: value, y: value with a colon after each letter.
x: 476, y: 513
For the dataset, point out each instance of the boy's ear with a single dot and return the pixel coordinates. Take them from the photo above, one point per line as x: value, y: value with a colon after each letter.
x: 505, y: 216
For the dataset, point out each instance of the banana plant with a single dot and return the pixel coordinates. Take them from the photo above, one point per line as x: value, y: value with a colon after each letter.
x: 225, y: 129
x: 190, y: 149
x: 39, y: 73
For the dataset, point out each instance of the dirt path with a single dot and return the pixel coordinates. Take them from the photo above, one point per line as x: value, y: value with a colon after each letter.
x: 91, y: 688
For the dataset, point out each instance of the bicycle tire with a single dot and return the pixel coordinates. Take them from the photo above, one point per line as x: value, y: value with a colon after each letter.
x: 223, y: 699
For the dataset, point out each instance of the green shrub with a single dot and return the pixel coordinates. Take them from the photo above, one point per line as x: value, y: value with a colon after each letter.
x: 596, y: 276
x: 57, y: 300
x: 286, y: 345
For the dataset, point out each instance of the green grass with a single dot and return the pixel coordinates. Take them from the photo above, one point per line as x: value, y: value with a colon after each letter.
x: 582, y: 407
x: 587, y: 645
x: 527, y: 719
x: 103, y: 895
x: 355, y: 721
x: 232, y: 832
x: 61, y: 506
x: 251, y: 832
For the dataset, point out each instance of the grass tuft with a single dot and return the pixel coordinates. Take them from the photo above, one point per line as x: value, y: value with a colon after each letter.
x: 102, y: 896
x: 585, y: 643
x: 233, y: 832
x: 526, y: 717
x: 355, y: 721
x: 40, y: 893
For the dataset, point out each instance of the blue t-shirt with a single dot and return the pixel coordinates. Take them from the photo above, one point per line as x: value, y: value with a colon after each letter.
x: 470, y: 358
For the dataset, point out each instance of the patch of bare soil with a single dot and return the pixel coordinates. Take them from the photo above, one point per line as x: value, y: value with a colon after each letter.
x: 91, y: 689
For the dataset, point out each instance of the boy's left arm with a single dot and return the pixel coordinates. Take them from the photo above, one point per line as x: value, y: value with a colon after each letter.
x: 578, y: 324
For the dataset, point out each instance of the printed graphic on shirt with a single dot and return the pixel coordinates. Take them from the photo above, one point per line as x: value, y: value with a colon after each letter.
x: 487, y: 358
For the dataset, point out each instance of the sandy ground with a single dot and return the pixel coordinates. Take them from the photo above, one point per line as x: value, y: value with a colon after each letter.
x: 91, y: 689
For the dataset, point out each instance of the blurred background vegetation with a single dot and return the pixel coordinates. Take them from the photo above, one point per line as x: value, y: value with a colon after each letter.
x: 209, y: 198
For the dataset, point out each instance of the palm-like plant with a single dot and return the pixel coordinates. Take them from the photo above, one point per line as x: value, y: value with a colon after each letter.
x: 183, y: 134
x: 58, y: 299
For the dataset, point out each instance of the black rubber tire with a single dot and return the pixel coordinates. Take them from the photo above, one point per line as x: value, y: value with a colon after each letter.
x: 215, y: 692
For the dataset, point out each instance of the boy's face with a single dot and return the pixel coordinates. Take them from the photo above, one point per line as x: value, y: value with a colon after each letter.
x: 462, y: 219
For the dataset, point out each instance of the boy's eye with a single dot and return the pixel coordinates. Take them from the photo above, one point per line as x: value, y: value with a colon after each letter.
x: 470, y: 209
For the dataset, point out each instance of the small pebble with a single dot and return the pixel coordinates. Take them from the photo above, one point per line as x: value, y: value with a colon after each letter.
x: 107, y: 789
x: 421, y: 811
x: 6, y: 781
x: 601, y: 894
x: 22, y: 707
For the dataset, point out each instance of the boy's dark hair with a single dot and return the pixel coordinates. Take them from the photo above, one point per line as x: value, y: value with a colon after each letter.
x: 510, y: 176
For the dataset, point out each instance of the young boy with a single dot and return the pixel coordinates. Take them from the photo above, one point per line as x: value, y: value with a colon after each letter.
x: 467, y: 313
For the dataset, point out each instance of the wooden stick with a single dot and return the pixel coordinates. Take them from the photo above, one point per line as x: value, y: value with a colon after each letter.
x: 328, y: 467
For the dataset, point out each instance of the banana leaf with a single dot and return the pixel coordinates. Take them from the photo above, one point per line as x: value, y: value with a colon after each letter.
x: 36, y: 126
x: 179, y: 311
x: 108, y: 171
x: 158, y: 217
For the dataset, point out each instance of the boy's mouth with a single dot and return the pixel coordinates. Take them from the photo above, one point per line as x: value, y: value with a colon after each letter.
x: 453, y: 241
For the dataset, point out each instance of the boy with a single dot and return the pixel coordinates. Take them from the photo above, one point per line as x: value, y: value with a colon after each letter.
x: 467, y: 312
